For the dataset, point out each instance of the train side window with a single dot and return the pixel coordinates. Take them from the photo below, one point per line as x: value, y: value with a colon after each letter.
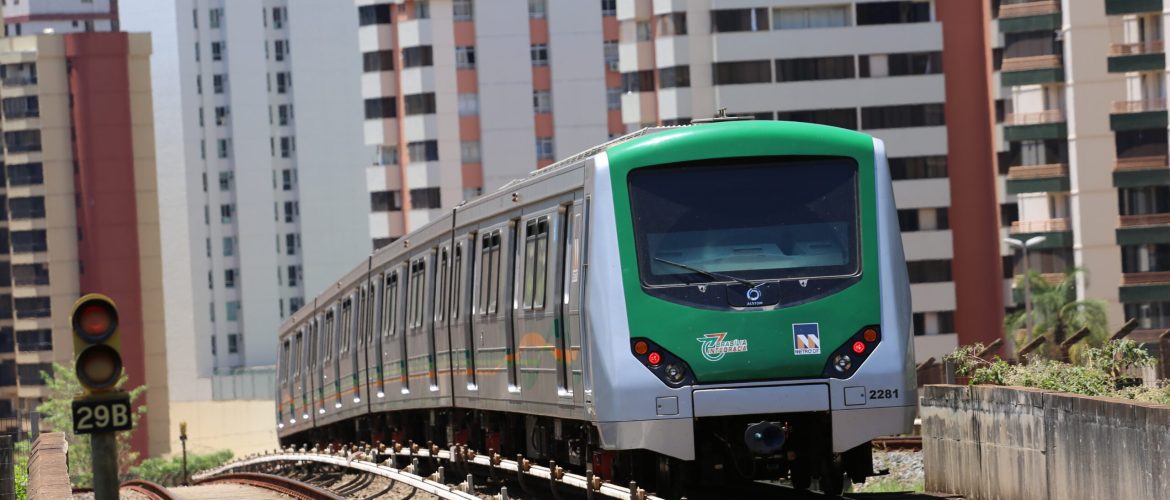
x: 368, y: 313
x: 441, y: 286
x: 417, y: 276
x: 535, y: 262
x: 329, y: 345
x: 296, y: 355
x: 494, y: 285
x: 457, y: 281
x: 346, y: 313
x: 284, y: 362
x: 390, y: 303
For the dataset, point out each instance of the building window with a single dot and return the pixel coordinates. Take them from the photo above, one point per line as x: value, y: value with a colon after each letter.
x: 929, y: 271
x: 537, y: 9
x: 907, y: 115
x: 288, y: 145
x: 30, y: 274
x: 295, y: 304
x: 291, y: 243
x: 413, y: 57
x: 833, y: 16
x: 33, y: 307
x: 462, y: 10
x: 840, y: 117
x: 221, y: 115
x: 639, y: 81
x: 739, y: 72
x: 893, y: 12
x: 544, y: 148
x: 233, y: 310
x: 283, y: 82
x: 294, y: 275
x: 223, y: 148
x: 216, y: 18
x: 381, y: 107
x: 22, y: 107
x: 292, y: 209
x: 374, y: 14
x: 226, y: 180
x: 608, y: 7
x: 542, y: 101
x: 642, y: 31
x: 610, y: 49
x: 672, y: 24
x: 22, y: 141
x: 425, y: 198
x: 34, y: 373
x: 288, y: 179
x: 226, y: 212
x: 217, y: 50
x: 385, y: 201
x: 32, y: 207
x: 278, y: 16
x: 469, y: 151
x: 382, y: 60
x: 229, y: 246
x: 229, y: 278
x: 420, y: 151
x: 676, y: 76
x: 386, y: 155
x: 918, y: 167
x: 924, y: 219
x: 465, y: 57
x: 912, y: 63
x: 218, y: 82
x: 28, y: 241
x: 422, y: 9
x: 25, y: 174
x: 420, y: 104
x: 613, y: 98
x: 539, y: 54
x: 814, y: 68
x: 730, y: 20
x: 280, y: 47
x: 233, y: 343
x: 35, y: 340
x: 284, y: 114
x: 468, y: 104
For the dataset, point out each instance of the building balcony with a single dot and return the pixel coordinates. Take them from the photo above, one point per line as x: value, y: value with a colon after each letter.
x: 19, y: 80
x: 1143, y: 229
x: 1049, y: 124
x: 1057, y: 232
x: 1120, y: 7
x: 1029, y: 16
x: 1139, y: 56
x: 1038, y: 178
x: 1138, y: 115
x: 1141, y: 171
x: 1032, y: 70
x: 1150, y: 286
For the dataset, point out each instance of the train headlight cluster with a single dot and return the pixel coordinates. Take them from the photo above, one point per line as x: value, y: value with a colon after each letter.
x: 853, y: 352
x: 671, y: 370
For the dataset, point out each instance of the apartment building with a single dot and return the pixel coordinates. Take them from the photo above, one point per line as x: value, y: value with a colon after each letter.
x: 1138, y: 278
x: 264, y: 204
x: 33, y: 17
x: 78, y: 209
x: 873, y: 66
x: 461, y: 97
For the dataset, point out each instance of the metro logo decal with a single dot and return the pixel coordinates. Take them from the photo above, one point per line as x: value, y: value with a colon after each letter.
x: 806, y: 338
x: 714, y: 347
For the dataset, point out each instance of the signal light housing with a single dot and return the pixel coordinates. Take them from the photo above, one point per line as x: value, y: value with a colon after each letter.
x: 670, y: 369
x: 96, y: 342
x: 852, y: 353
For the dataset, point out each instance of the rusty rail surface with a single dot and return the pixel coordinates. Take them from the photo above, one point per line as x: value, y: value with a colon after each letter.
x: 150, y: 489
x: 280, y: 484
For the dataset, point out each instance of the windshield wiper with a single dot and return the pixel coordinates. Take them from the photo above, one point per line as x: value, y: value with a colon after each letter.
x: 710, y: 274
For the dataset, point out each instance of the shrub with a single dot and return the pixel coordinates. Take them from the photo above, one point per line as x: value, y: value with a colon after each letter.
x: 169, y: 471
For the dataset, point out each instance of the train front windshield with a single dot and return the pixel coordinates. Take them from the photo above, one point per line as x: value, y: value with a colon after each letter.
x: 757, y: 220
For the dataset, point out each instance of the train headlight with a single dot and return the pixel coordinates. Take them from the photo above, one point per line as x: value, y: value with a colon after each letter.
x: 675, y: 373
x: 381, y: 394
x: 321, y: 410
x: 670, y: 369
x: 305, y: 417
x: 842, y: 362
x: 337, y: 404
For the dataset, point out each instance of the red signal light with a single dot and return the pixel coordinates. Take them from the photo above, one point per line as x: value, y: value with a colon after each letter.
x: 95, y: 320
x: 859, y: 347
x: 654, y: 359
x: 870, y: 335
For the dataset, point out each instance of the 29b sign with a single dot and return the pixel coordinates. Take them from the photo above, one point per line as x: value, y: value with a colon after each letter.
x: 106, y: 414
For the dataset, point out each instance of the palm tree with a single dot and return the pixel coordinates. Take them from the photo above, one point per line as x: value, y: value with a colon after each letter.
x: 1056, y: 309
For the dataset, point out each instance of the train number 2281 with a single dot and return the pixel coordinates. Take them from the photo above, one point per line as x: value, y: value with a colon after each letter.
x: 883, y: 394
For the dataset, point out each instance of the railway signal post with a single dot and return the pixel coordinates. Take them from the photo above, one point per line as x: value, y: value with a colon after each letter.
x: 101, y: 410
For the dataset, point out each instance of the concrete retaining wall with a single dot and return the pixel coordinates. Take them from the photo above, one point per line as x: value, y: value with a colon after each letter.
x: 1005, y: 443
x: 48, y: 473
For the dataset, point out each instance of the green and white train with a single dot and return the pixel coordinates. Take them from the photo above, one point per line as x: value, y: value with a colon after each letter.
x: 700, y: 304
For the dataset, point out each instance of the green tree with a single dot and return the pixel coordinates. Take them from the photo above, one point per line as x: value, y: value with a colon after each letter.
x: 57, y: 415
x: 1056, y: 313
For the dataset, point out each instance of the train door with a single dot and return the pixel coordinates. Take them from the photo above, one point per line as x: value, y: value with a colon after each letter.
x: 462, y: 344
x: 440, y: 326
x: 492, y: 342
x: 332, y: 379
x: 536, y: 310
x: 367, y: 344
x: 374, y: 354
x: 419, y: 334
x: 283, y: 395
x: 311, y: 363
x: 295, y: 361
x: 346, y: 355
x: 393, y: 332
x: 569, y: 341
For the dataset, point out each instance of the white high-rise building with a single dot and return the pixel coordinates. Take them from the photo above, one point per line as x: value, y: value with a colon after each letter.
x: 258, y: 135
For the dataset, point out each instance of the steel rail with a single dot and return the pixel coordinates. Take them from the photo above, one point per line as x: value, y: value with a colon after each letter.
x: 280, y: 484
x: 148, y: 488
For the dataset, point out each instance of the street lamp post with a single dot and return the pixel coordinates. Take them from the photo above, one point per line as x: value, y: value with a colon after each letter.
x: 1024, y: 245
